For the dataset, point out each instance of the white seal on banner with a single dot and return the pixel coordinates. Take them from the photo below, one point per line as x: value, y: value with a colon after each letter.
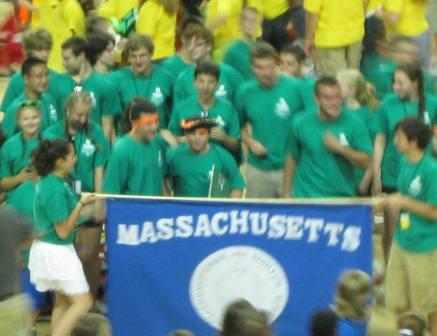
x: 238, y: 272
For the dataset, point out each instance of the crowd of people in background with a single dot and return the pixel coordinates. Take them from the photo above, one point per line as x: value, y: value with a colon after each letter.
x: 271, y: 98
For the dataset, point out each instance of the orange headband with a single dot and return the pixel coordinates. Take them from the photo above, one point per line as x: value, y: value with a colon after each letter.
x: 150, y: 119
x: 202, y: 129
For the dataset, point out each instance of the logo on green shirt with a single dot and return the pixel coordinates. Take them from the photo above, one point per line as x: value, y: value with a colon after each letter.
x: 88, y: 148
x: 221, y: 91
x: 282, y: 109
x: 415, y: 187
x: 157, y: 97
x: 220, y: 122
x: 343, y: 139
x: 53, y: 113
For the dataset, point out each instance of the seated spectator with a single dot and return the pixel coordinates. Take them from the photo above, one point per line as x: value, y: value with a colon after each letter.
x: 352, y: 303
x: 92, y: 324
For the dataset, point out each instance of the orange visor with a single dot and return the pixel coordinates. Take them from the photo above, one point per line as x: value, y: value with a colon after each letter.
x: 148, y: 120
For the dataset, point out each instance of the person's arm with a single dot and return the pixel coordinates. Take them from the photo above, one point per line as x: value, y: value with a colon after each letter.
x: 108, y: 127
x: 311, y: 21
x: 378, y: 154
x: 64, y: 228
x: 356, y: 157
x: 406, y: 203
x: 10, y: 182
x: 253, y: 145
x: 289, y: 170
x: 236, y: 193
x: 227, y: 141
x: 99, y: 206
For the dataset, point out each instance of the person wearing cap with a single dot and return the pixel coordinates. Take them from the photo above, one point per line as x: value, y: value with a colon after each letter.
x: 136, y: 166
x: 191, y: 165
x: 207, y: 105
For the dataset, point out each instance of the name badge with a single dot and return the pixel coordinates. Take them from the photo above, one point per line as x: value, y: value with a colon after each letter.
x: 77, y: 187
x: 405, y: 221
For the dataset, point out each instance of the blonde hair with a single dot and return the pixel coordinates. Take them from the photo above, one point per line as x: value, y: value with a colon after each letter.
x: 76, y: 97
x: 352, y: 295
x: 364, y: 91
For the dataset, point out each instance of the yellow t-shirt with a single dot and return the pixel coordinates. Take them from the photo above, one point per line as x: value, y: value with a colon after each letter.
x: 412, y: 21
x: 372, y: 5
x: 341, y: 22
x: 274, y: 8
x: 115, y: 8
x: 40, y: 4
x: 74, y: 16
x: 154, y: 21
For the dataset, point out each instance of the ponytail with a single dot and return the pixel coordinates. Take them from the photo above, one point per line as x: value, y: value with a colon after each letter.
x: 44, y: 157
x: 364, y: 91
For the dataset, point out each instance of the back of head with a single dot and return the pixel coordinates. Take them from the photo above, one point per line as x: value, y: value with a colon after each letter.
x: 242, y: 319
x: 98, y: 42
x: 92, y: 324
x: 352, y: 295
x: 413, y: 322
x: 44, y: 157
x: 364, y: 91
x: 323, y: 323
x: 37, y: 39
x: 182, y: 333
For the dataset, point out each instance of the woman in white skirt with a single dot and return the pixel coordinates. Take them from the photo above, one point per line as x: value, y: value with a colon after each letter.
x: 53, y: 262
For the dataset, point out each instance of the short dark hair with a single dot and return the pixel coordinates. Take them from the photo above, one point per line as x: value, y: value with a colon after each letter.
x: 29, y: 64
x: 295, y: 50
x: 263, y: 50
x: 323, y: 323
x: 325, y: 81
x: 47, y: 153
x: 77, y: 45
x: 207, y: 68
x: 137, y: 41
x: 416, y: 129
x: 98, y: 42
x: 134, y: 109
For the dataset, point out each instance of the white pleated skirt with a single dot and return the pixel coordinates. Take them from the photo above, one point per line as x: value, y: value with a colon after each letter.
x: 56, y: 267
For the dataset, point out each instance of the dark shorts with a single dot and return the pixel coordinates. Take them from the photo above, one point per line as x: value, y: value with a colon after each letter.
x: 91, y: 223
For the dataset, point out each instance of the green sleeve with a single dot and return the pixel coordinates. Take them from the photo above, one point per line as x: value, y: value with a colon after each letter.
x: 5, y: 168
x: 234, y: 127
x: 232, y: 172
x: 103, y: 149
x: 179, y: 93
x: 236, y: 80
x: 116, y: 174
x: 57, y: 207
x: 174, y: 124
x: 111, y: 101
x: 382, y: 120
x: 298, y: 99
x: 14, y: 89
x: 239, y: 105
x: 293, y: 142
x: 432, y: 185
x: 9, y: 123
x: 360, y: 136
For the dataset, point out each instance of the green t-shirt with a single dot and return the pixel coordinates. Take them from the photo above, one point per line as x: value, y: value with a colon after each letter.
x: 136, y: 168
x: 222, y: 111
x: 228, y: 83
x: 101, y: 89
x: 92, y: 150
x: 175, y: 65
x: 379, y: 72
x: 15, y: 156
x: 191, y: 173
x: 54, y: 203
x: 270, y: 112
x: 392, y: 110
x: 319, y: 172
x: 16, y: 87
x: 157, y: 88
x: 419, y: 182
x: 306, y: 89
x: 238, y: 56
x: 47, y: 106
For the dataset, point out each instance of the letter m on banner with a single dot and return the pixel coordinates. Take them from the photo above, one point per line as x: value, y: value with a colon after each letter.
x: 176, y: 264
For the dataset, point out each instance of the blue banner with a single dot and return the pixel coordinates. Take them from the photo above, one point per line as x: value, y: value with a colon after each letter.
x: 176, y: 264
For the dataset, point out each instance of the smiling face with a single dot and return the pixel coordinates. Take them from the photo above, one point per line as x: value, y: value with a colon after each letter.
x: 205, y: 85
x: 38, y: 78
x: 140, y: 60
x: 329, y: 99
x: 198, y: 139
x: 66, y: 164
x: 403, y: 85
x: 29, y: 120
x: 265, y: 70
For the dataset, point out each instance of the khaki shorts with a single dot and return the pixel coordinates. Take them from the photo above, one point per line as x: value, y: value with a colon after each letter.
x: 264, y: 183
x: 329, y: 61
x: 411, y: 282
